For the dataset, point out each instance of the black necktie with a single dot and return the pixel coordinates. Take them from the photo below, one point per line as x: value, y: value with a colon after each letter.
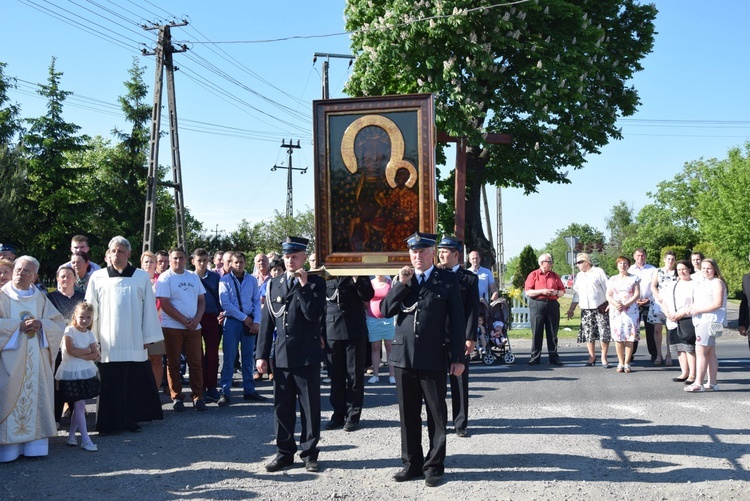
x: 421, y: 279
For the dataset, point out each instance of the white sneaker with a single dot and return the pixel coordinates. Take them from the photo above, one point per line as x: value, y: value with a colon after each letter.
x: 89, y: 446
x: 72, y: 441
x: 373, y: 380
x: 392, y: 380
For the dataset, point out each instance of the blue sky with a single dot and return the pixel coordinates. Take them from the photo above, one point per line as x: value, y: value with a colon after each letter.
x: 236, y: 102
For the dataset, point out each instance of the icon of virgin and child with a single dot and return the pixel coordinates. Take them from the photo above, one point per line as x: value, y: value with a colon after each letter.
x: 374, y: 198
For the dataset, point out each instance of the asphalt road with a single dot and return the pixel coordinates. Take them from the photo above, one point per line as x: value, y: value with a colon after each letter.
x: 540, y: 432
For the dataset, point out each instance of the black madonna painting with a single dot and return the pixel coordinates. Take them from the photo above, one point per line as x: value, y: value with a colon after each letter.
x: 375, y: 179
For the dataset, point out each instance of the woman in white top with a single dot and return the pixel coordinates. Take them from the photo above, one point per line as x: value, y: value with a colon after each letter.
x: 676, y: 301
x: 709, y: 313
x: 590, y: 291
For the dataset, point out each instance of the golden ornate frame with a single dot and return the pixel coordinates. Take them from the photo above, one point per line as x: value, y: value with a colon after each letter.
x: 362, y: 206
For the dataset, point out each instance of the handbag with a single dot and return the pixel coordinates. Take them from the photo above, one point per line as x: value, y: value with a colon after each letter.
x: 602, y: 308
x: 715, y: 329
x: 685, y: 331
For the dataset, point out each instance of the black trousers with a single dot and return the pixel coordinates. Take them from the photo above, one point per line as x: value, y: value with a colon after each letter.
x: 545, y: 318
x: 290, y: 386
x: 460, y: 398
x: 649, y: 327
x: 413, y: 386
x: 346, y: 368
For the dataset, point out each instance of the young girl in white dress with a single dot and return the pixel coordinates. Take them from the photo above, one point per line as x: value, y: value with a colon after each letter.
x: 77, y: 374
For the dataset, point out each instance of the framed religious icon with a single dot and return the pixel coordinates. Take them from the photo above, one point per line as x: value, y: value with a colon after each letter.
x: 374, y: 180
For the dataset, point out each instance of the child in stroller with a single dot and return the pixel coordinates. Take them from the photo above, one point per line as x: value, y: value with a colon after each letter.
x: 495, y: 344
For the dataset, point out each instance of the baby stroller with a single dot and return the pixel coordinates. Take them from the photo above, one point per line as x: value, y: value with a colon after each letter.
x: 497, y: 342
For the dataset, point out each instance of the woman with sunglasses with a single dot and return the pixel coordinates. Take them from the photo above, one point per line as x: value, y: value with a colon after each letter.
x: 590, y: 292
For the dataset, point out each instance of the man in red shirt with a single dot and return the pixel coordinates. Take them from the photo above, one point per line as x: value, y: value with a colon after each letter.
x: 544, y: 288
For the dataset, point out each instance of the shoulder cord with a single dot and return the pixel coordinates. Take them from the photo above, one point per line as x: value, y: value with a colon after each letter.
x: 335, y: 297
x: 269, y: 302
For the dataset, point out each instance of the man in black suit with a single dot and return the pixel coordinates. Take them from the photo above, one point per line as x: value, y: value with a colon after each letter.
x: 426, y: 302
x: 295, y: 305
x: 743, y: 324
x: 449, y: 250
x: 346, y: 336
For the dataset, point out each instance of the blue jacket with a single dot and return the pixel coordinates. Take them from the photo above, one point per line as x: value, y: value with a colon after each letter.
x: 249, y: 291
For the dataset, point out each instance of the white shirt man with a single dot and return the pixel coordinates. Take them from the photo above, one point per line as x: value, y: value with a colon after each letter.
x: 487, y: 287
x: 181, y: 293
x: 645, y: 272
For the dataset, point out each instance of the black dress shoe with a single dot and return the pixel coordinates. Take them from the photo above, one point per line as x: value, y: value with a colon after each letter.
x: 533, y: 361
x: 254, y: 396
x: 689, y: 381
x: 350, y: 426
x: 679, y: 379
x: 279, y: 463
x: 135, y: 428
x: 462, y: 432
x: 433, y: 480
x: 405, y: 475
x: 334, y: 425
x: 224, y: 400
x: 557, y: 363
x: 311, y: 465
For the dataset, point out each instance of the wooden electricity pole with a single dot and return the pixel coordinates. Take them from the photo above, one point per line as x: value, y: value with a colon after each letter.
x: 163, y: 52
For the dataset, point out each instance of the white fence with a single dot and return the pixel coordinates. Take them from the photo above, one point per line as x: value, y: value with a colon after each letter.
x: 519, y: 313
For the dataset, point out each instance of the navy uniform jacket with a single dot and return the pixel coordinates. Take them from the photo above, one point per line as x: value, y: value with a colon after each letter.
x: 468, y: 283
x: 345, y: 309
x: 432, y: 333
x: 298, y: 327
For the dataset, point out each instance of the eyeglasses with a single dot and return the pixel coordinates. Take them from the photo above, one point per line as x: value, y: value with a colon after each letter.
x: 580, y: 262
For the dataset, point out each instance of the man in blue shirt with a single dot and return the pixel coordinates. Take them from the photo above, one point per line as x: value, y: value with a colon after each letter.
x: 239, y: 295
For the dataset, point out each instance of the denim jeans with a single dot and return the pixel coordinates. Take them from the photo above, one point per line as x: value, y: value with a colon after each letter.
x: 233, y: 340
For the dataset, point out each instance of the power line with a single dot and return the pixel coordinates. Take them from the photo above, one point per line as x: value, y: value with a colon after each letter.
x: 461, y: 12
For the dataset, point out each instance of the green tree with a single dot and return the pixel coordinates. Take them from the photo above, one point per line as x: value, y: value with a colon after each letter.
x: 124, y: 176
x: 620, y: 224
x: 50, y: 194
x: 280, y: 226
x: 724, y: 212
x: 671, y: 219
x: 13, y: 220
x: 554, y: 74
x: 527, y: 262
x: 10, y: 123
x: 590, y: 240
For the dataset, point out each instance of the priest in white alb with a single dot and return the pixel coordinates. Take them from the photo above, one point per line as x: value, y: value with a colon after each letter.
x: 30, y: 333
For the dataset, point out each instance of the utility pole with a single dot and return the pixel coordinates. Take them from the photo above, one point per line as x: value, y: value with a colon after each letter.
x: 500, y: 240
x: 163, y: 52
x: 290, y: 149
x: 327, y: 57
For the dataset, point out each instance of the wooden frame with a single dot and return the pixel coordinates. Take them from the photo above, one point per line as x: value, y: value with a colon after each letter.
x: 374, y: 181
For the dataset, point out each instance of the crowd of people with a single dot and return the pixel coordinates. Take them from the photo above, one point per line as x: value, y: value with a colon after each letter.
x: 110, y: 332
x: 689, y: 297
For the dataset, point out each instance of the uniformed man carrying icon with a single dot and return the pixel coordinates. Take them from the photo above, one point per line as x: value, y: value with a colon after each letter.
x: 429, y: 343
x: 295, y: 306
